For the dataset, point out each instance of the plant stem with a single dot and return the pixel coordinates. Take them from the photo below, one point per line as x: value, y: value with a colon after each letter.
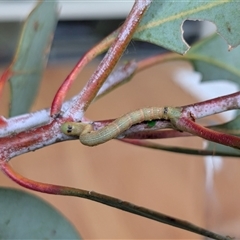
x: 31, y: 140
x: 18, y: 138
x: 187, y: 125
x: 213, y: 106
x: 89, y: 56
x: 182, y: 150
x: 110, y: 60
x: 107, y: 200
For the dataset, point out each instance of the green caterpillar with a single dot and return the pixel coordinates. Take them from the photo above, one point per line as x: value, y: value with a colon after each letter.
x: 91, y: 138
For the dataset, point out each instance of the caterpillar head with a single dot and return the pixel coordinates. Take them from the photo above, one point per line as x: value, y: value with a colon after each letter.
x: 72, y: 128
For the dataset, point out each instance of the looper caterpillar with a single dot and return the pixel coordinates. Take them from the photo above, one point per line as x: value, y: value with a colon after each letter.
x: 91, y: 138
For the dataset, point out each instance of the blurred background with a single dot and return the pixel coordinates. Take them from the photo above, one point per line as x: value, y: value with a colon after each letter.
x: 200, y: 190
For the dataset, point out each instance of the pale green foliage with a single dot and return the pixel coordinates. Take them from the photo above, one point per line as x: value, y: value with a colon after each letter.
x: 162, y: 23
x: 212, y: 59
x: 25, y: 216
x: 31, y: 56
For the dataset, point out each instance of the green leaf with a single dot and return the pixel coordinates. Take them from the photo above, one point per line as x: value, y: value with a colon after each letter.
x: 162, y: 23
x: 25, y: 216
x: 31, y: 56
x: 212, y: 59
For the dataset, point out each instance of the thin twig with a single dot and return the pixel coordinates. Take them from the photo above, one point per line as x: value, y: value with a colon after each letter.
x: 108, y: 63
x: 89, y: 56
x: 187, y: 125
x: 107, y: 200
x: 173, y: 149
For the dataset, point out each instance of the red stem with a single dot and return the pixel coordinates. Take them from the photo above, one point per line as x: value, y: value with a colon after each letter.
x: 110, y: 60
x: 91, y: 54
x: 107, y: 200
x: 28, y: 183
x: 33, y: 139
x: 185, y: 124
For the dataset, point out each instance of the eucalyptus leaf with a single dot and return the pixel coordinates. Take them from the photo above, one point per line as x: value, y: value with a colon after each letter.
x: 25, y: 216
x: 31, y: 56
x: 212, y: 59
x: 162, y: 23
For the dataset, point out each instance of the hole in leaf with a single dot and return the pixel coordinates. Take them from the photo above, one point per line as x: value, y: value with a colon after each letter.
x: 191, y: 31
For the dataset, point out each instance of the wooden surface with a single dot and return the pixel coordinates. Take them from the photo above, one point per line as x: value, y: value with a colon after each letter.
x: 170, y: 183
